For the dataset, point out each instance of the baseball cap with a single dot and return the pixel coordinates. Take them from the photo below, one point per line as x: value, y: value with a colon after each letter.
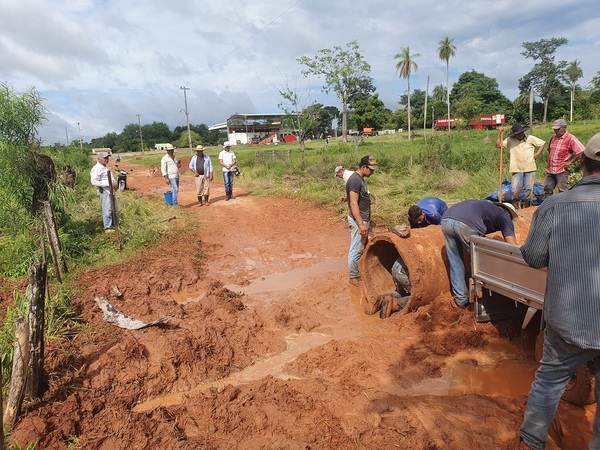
x: 369, y: 161
x: 559, y: 123
x: 592, y: 149
x: 510, y: 208
x: 226, y: 144
x: 103, y: 155
x: 337, y: 169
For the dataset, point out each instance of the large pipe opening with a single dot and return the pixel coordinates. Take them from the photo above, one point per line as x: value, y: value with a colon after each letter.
x: 424, y: 256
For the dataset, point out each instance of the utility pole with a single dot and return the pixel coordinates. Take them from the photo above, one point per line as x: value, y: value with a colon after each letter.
x: 67, y: 134
x: 187, y: 116
x: 80, y: 139
x: 141, y: 139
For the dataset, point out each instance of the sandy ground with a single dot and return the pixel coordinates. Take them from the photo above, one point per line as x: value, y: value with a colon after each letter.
x: 268, y: 347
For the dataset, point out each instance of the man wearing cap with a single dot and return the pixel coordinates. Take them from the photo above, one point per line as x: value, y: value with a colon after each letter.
x: 169, y: 166
x: 227, y: 159
x: 564, y: 238
x: 100, y: 179
x: 459, y: 223
x: 524, y: 150
x: 202, y: 168
x: 564, y: 149
x: 428, y: 211
x: 344, y: 174
x: 359, y: 213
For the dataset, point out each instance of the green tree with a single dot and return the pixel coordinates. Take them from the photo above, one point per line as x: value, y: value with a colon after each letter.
x: 370, y: 112
x: 467, y: 108
x: 477, y: 85
x: 405, y: 66
x: 417, y: 103
x: 544, y: 77
x: 447, y: 50
x: 573, y: 73
x: 345, y: 71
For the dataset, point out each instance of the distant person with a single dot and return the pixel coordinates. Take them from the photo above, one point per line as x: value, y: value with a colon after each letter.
x: 459, y: 223
x: 359, y: 214
x: 564, y: 238
x: 344, y: 174
x: 428, y: 211
x: 169, y: 166
x: 100, y: 179
x: 202, y: 168
x: 524, y: 150
x: 227, y: 159
x: 564, y: 149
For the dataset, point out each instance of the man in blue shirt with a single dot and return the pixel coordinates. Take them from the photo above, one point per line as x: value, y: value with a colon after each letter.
x: 564, y: 238
x: 428, y: 211
x: 459, y: 223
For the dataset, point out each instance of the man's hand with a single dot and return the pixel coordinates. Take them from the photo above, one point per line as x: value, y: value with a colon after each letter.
x: 501, y: 129
x: 364, y: 231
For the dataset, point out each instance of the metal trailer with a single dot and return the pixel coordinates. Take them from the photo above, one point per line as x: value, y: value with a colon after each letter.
x: 499, y: 274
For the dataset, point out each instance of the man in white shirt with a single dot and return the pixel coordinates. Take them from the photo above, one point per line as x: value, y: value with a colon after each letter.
x: 227, y: 159
x: 169, y: 166
x: 100, y: 179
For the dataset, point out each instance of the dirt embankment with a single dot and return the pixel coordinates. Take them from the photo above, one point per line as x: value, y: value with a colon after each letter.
x: 291, y: 363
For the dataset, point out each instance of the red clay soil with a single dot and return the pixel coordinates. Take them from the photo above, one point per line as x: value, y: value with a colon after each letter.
x: 268, y: 347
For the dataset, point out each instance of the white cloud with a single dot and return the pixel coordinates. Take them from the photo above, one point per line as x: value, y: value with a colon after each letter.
x: 101, y: 62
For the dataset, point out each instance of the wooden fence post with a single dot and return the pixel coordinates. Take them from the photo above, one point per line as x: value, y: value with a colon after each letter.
x: 54, y: 242
x: 36, y: 300
x: 19, y: 373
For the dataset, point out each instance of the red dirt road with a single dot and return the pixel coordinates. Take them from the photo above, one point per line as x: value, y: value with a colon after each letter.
x: 292, y: 363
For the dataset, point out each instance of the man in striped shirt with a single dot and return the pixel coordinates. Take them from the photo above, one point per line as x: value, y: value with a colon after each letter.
x: 564, y: 237
x: 564, y: 150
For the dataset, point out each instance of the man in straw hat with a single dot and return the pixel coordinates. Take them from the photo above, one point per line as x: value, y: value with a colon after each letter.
x: 100, y: 179
x: 524, y: 150
x: 564, y: 238
x: 459, y: 223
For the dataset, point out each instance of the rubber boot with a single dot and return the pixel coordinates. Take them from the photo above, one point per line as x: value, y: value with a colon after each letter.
x: 206, y: 200
x: 200, y: 200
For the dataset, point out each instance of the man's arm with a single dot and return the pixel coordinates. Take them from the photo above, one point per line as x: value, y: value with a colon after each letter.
x: 500, y: 137
x: 539, y: 152
x: 510, y: 240
x: 356, y: 213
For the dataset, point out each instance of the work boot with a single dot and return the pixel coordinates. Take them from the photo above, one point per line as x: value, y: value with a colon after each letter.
x: 387, y: 305
x: 206, y: 200
x: 200, y: 200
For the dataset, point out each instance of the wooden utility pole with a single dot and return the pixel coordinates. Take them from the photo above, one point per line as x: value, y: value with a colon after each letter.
x: 36, y: 304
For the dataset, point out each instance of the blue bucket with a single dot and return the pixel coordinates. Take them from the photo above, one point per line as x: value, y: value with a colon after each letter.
x: 169, y: 197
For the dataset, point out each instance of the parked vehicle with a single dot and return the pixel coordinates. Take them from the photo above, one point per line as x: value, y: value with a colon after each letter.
x: 122, y: 180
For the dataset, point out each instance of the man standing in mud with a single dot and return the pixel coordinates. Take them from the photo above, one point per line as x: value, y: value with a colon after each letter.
x: 564, y: 238
x: 359, y: 214
x: 100, y: 178
x: 201, y: 167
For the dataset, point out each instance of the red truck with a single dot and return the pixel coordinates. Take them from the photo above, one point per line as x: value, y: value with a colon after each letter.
x: 484, y: 121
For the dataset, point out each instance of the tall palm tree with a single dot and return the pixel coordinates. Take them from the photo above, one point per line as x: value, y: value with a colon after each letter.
x: 573, y: 73
x: 446, y: 51
x: 405, y: 66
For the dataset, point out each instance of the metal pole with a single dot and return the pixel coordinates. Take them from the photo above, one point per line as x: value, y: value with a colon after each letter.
x: 187, y: 117
x: 80, y: 139
x: 141, y: 139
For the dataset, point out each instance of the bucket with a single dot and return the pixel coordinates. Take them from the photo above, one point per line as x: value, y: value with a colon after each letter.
x: 425, y: 258
x: 169, y: 197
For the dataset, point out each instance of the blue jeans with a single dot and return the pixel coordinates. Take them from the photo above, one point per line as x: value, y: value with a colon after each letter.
x: 559, y: 362
x: 107, y: 218
x: 228, y: 180
x: 174, y: 189
x: 523, y: 181
x: 457, y: 237
x: 357, y: 245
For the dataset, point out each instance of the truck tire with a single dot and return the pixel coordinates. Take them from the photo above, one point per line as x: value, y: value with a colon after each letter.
x: 580, y: 390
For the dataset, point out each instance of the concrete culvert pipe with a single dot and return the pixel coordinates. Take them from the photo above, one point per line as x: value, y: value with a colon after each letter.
x: 424, y: 256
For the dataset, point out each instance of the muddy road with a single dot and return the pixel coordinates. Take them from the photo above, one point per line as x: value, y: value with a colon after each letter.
x: 268, y: 347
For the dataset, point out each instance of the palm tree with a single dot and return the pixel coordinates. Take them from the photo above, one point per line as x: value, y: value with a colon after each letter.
x: 439, y: 93
x: 405, y: 66
x: 446, y: 51
x: 573, y: 73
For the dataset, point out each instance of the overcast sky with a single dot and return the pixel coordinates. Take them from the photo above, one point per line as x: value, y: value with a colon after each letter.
x: 100, y: 63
